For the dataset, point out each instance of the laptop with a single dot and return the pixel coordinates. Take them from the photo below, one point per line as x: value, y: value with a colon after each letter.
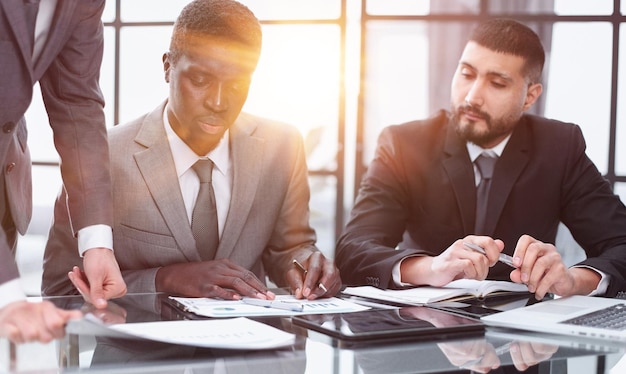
x: 584, y: 316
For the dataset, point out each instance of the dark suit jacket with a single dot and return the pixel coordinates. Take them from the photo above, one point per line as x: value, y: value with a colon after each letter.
x: 419, y: 195
x: 68, y: 72
x: 268, y: 218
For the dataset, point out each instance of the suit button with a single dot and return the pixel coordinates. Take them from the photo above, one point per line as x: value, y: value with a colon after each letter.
x: 10, y: 167
x: 8, y: 127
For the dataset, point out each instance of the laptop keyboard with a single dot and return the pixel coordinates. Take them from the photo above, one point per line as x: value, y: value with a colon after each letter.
x: 612, y: 318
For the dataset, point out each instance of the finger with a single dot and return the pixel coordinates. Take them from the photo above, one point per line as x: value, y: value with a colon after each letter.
x: 329, y: 283
x: 231, y: 274
x: 525, y: 255
x: 544, y: 350
x: 213, y: 290
x: 315, y: 264
x: 12, y: 332
x: 244, y: 289
x: 492, y: 247
x: 54, y: 321
x: 296, y: 282
x: 475, y: 266
x: 78, y: 280
x: 546, y: 270
x: 555, y: 274
x: 528, y: 355
x: 251, y: 279
x: 96, y: 293
x: 517, y: 357
x: 73, y: 314
x: 318, y: 291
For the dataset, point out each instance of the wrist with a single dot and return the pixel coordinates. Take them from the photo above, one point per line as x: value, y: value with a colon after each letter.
x: 416, y: 270
x: 585, y: 280
x: 161, y: 280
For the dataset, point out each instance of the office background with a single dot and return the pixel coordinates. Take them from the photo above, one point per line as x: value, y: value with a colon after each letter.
x: 341, y: 70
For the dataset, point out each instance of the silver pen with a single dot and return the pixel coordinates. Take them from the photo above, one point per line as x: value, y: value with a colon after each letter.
x: 292, y: 306
x: 504, y: 258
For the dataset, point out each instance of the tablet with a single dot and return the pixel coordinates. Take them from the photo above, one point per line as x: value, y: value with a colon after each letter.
x: 406, y: 323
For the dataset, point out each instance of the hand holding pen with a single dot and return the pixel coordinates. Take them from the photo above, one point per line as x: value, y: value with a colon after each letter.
x: 504, y: 258
x: 304, y: 272
x: 314, y: 277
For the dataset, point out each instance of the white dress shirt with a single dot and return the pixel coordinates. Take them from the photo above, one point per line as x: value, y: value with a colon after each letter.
x: 189, y: 183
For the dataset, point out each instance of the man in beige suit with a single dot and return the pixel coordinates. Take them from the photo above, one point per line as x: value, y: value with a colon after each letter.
x: 259, y: 178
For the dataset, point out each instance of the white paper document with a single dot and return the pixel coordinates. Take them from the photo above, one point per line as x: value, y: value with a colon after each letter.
x: 208, y: 307
x: 232, y: 333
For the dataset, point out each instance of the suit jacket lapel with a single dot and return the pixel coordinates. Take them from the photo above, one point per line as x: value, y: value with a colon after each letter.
x: 13, y: 10
x: 507, y: 170
x: 461, y: 174
x: 157, y: 168
x: 247, y: 159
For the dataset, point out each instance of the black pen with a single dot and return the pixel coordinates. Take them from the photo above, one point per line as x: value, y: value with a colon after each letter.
x: 504, y: 258
x: 305, y: 271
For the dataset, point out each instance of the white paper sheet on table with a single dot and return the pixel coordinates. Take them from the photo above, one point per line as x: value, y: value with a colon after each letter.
x: 235, y: 308
x: 232, y: 333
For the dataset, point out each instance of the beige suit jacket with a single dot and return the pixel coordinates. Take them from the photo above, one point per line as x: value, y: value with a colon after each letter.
x: 267, y: 223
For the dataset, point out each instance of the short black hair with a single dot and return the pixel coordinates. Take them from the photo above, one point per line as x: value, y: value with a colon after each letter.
x: 226, y: 19
x: 511, y: 37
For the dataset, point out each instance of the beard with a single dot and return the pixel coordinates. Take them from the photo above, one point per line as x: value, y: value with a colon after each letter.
x: 496, y: 128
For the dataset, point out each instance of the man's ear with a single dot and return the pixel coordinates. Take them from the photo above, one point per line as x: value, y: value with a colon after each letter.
x: 166, y: 66
x: 532, y: 94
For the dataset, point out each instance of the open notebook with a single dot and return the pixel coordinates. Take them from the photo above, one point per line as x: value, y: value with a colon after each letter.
x: 456, y: 290
x: 586, y: 316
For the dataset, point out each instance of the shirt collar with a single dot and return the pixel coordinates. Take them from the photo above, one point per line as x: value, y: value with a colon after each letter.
x: 185, y: 157
x: 475, y: 150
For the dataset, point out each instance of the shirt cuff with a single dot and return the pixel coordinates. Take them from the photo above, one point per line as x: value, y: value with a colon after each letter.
x: 95, y: 236
x: 11, y: 292
x: 603, y: 285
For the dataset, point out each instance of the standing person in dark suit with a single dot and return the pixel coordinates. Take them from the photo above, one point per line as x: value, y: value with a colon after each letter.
x: 59, y: 44
x: 258, y: 177
x: 417, y: 204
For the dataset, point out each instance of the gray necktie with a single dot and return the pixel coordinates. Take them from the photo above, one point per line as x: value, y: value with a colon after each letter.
x: 204, y: 217
x: 485, y: 165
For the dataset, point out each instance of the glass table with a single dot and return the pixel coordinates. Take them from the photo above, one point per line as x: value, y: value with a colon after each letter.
x: 496, y: 351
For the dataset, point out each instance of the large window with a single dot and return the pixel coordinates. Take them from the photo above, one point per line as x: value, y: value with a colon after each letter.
x: 340, y: 70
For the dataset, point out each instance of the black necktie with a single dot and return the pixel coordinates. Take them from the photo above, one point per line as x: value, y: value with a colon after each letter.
x: 485, y: 165
x: 204, y: 217
x: 31, y: 7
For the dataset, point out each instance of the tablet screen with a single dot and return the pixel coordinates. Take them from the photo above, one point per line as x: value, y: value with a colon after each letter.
x: 407, y: 322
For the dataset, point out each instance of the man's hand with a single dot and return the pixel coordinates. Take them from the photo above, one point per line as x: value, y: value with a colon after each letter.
x: 24, y: 321
x: 456, y: 262
x: 112, y: 314
x: 101, y: 279
x: 476, y: 355
x: 321, y: 277
x: 527, y: 354
x: 218, y: 278
x: 541, y: 267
